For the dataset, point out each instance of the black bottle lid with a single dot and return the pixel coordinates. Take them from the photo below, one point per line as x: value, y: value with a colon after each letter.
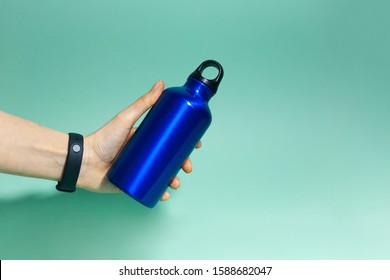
x: 214, y: 83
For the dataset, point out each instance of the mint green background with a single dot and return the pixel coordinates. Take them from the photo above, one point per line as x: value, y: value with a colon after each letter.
x: 296, y: 164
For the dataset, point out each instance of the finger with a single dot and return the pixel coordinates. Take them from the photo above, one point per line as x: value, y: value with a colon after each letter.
x: 165, y: 196
x: 187, y: 166
x: 198, y: 145
x: 138, y: 108
x: 133, y: 112
x: 175, y: 183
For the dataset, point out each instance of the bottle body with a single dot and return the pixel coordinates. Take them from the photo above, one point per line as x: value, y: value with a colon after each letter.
x: 160, y: 145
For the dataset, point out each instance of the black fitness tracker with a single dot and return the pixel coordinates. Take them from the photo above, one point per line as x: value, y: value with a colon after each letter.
x: 72, y: 164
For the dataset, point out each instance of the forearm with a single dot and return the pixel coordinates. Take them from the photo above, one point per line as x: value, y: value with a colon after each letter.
x: 29, y: 149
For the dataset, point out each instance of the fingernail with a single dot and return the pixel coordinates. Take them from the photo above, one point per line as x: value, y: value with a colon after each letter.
x: 157, y: 84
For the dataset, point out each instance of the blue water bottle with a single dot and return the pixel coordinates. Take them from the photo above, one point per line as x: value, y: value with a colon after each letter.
x: 166, y: 137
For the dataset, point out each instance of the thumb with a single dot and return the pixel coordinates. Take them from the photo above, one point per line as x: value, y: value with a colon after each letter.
x: 138, y: 108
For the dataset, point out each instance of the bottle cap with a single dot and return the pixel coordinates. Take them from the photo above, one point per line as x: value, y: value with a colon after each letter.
x: 214, y: 83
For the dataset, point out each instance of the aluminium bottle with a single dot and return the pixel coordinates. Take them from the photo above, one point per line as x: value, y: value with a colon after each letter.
x: 166, y: 137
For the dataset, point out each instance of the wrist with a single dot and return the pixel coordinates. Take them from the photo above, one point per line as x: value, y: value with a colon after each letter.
x: 85, y: 164
x: 45, y: 156
x: 91, y: 171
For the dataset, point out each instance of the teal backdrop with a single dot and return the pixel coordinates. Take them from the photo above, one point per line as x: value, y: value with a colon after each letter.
x: 296, y: 164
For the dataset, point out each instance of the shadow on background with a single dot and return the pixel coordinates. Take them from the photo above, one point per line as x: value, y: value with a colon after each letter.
x: 82, y: 225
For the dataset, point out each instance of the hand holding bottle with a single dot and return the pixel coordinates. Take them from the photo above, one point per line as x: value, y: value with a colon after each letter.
x: 102, y: 146
x: 170, y: 131
x: 142, y: 167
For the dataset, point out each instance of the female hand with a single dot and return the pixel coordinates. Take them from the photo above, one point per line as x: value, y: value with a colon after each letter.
x: 102, y: 146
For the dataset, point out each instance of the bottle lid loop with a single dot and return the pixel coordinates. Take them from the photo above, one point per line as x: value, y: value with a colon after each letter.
x: 211, y: 83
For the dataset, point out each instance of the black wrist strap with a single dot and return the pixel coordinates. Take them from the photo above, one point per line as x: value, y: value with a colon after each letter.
x: 72, y: 164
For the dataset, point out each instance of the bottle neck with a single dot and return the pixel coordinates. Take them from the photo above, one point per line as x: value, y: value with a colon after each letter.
x: 197, y: 88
